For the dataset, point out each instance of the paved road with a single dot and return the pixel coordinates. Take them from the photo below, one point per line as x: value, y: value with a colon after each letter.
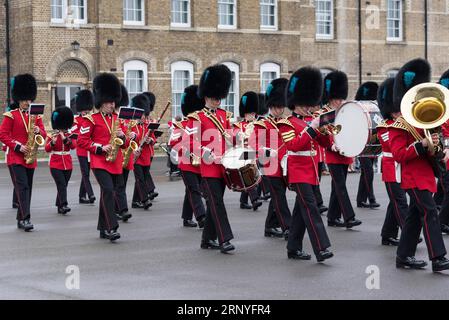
x: 158, y: 259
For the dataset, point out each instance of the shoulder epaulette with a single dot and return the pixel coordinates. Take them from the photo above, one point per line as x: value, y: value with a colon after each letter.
x: 398, y: 125
x: 286, y: 122
x: 41, y: 116
x: 260, y: 123
x: 8, y: 114
x: 229, y: 115
x: 178, y: 124
x: 89, y: 117
x: 383, y: 124
x: 238, y: 125
x: 194, y: 115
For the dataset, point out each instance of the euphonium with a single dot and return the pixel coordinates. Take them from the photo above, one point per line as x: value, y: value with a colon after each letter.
x: 115, y: 142
x: 425, y: 106
x: 133, y: 146
x: 33, y: 143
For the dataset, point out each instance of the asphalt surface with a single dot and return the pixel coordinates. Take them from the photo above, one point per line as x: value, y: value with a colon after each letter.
x: 157, y: 258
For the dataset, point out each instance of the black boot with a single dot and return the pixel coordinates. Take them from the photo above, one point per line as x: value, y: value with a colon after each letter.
x: 137, y: 205
x: 322, y: 208
x: 257, y: 204
x: 374, y: 204
x: 273, y: 233
x: 390, y: 242
x: 189, y: 224
x: 353, y: 223
x: 336, y: 223
x: 26, y: 225
x: 323, y: 255
x: 92, y: 199
x: 444, y: 228
x: 440, y: 264
x: 125, y: 215
x: 210, y: 244
x: 201, y: 222
x: 226, y: 247
x: 147, y: 205
x: 298, y: 255
x: 245, y: 206
x: 410, y: 263
x: 84, y: 201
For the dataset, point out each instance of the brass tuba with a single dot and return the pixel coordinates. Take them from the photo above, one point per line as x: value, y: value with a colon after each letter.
x: 33, y: 143
x: 425, y: 106
x: 115, y: 142
x: 133, y: 146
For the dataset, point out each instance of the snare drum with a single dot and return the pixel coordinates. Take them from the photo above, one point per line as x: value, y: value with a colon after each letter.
x: 240, y: 174
x: 358, y: 136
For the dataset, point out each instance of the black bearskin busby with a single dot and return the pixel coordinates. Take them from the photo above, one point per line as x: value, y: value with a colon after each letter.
x: 275, y: 93
x: 106, y: 88
x: 335, y: 86
x: 125, y: 97
x: 24, y: 88
x: 141, y: 102
x: 84, y: 100
x: 367, y: 91
x: 385, y: 98
x: 304, y: 88
x: 62, y: 118
x: 215, y: 82
x: 190, y: 102
x: 444, y: 80
x: 249, y: 103
x: 151, y: 98
x: 412, y: 73
x: 263, y: 110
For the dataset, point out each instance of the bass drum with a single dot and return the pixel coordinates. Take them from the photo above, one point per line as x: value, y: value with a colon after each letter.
x: 358, y: 121
x: 241, y: 173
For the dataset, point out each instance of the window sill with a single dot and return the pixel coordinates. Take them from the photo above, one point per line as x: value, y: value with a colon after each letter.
x: 268, y: 30
x: 226, y: 28
x: 395, y: 42
x: 181, y: 27
x: 324, y: 40
x: 71, y: 26
x: 132, y: 24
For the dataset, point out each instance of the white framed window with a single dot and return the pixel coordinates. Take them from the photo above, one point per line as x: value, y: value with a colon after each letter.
x: 64, y: 10
x: 136, y: 77
x: 268, y: 72
x: 134, y: 12
x: 227, y: 14
x: 64, y: 96
x: 231, y: 102
x: 269, y: 14
x: 182, y: 77
x: 180, y: 13
x: 394, y: 20
x: 392, y: 73
x: 324, y: 19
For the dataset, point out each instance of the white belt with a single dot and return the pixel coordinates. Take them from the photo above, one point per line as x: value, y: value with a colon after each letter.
x: 61, y: 153
x: 387, y: 154
x: 309, y: 153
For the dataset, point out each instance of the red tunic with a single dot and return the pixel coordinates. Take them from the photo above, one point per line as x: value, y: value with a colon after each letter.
x: 147, y: 148
x: 13, y: 133
x: 301, y: 142
x: 416, y: 169
x: 388, y: 164
x: 95, y: 133
x: 60, y: 157
x: 180, y: 141
x: 445, y: 133
x: 77, y: 124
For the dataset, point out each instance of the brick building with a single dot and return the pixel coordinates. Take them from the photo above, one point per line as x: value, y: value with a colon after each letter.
x: 164, y: 45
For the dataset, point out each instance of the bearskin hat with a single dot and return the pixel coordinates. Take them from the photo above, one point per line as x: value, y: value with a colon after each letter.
x: 141, y: 102
x: 367, y: 91
x: 444, y: 80
x: 84, y: 100
x: 125, y: 97
x: 152, y: 98
x: 412, y: 73
x: 215, y: 82
x: 304, y: 88
x: 263, y: 110
x: 106, y: 88
x: 335, y: 86
x: 385, y: 98
x: 190, y: 102
x: 24, y: 88
x: 249, y: 103
x: 275, y: 93
x: 62, y: 118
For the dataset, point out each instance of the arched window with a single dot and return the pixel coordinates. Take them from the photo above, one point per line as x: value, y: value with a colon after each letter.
x: 231, y: 103
x: 182, y: 77
x: 136, y: 77
x: 268, y: 72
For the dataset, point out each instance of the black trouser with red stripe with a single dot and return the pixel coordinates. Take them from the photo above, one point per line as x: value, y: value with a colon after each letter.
x: 107, y: 219
x: 366, y: 190
x: 264, y: 186
x: 62, y: 178
x: 141, y: 190
x: 396, y: 211
x: 22, y: 178
x: 217, y: 223
x: 149, y: 181
x: 422, y: 215
x: 251, y: 194
x: 85, y: 186
x: 444, y: 213
x: 121, y: 200
x: 307, y: 216
x: 14, y: 195
x: 193, y: 201
x: 339, y: 202
x: 316, y: 189
x: 279, y: 214
x: 441, y: 190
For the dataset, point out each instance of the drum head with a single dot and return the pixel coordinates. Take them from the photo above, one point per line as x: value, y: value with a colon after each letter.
x: 355, y: 123
x: 234, y: 158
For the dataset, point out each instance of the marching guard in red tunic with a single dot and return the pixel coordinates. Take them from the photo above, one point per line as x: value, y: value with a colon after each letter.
x: 18, y: 132
x: 304, y: 92
x: 104, y: 136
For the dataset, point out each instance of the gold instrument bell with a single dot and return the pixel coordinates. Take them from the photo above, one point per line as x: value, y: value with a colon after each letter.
x: 425, y: 106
